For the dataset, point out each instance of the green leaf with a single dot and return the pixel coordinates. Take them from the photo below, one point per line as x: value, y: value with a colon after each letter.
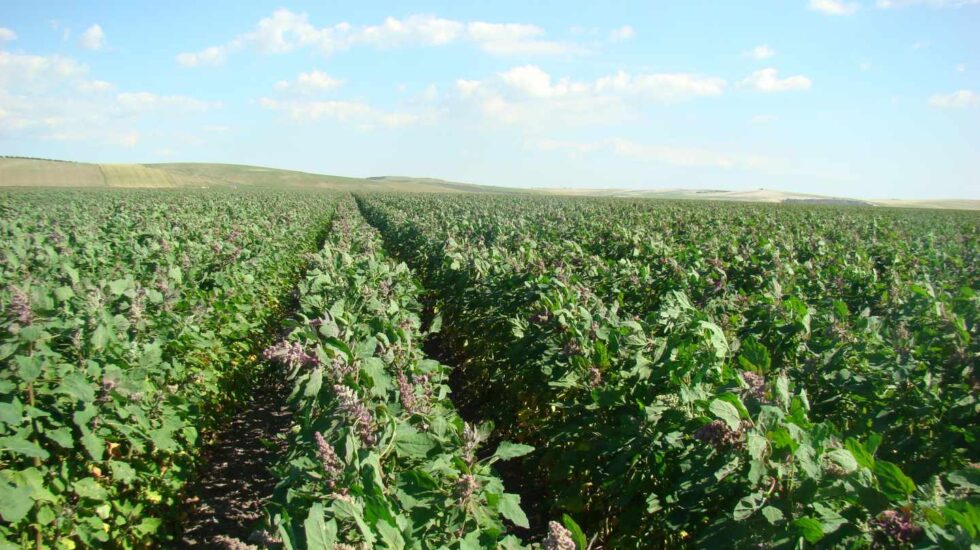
x: 508, y: 450
x: 773, y: 514
x: 727, y: 412
x: 89, y: 488
x: 842, y: 458
x: 76, y: 386
x: 581, y: 543
x: 315, y: 383
x: 22, y: 446
x: 860, y: 453
x: 122, y: 471
x: 320, y: 535
x: 390, y: 535
x: 15, y: 501
x: 93, y: 444
x: 754, y: 356
x: 118, y: 286
x: 411, y: 443
x: 62, y: 436
x: 509, y: 506
x: 64, y: 293
x: 809, y: 528
x: 892, y: 481
x: 748, y: 506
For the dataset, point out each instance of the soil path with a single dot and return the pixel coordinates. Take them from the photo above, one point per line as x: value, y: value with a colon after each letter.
x: 225, y: 502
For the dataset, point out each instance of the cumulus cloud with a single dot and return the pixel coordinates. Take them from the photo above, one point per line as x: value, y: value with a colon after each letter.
x: 93, y: 38
x: 51, y: 97
x: 285, y: 31
x: 833, y: 7
x: 768, y: 81
x: 528, y: 95
x: 37, y: 72
x: 956, y: 100
x: 310, y: 82
x: 7, y: 35
x: 622, y: 34
x: 762, y: 51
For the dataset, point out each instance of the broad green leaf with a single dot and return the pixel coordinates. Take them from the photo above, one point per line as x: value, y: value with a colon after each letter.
x: 89, y: 488
x: 892, y: 481
x: 727, y: 412
x: 509, y: 506
x: 507, y: 450
x: 809, y: 528
x: 411, y: 443
x: 773, y: 515
x: 15, y: 501
x: 320, y: 535
x: 21, y: 446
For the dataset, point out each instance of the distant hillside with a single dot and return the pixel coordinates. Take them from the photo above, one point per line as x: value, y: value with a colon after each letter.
x: 33, y: 172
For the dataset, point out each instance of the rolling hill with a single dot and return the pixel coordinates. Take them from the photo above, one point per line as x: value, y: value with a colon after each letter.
x: 32, y: 172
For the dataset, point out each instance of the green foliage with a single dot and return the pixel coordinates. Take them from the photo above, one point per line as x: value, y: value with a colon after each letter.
x: 715, y: 374
x: 129, y: 320
x: 380, y: 456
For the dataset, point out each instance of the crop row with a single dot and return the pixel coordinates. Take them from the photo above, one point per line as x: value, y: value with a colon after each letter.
x: 378, y: 456
x: 130, y: 320
x: 668, y: 389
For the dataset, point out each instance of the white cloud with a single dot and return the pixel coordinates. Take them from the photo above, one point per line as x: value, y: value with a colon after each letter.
x: 833, y: 7
x: 920, y: 45
x: 961, y: 67
x: 353, y: 112
x: 762, y: 52
x: 93, y: 38
x: 622, y: 34
x: 767, y: 80
x: 515, y: 38
x: 285, y: 31
x: 466, y: 88
x: 956, y: 100
x: 662, y: 87
x: 311, y: 82
x: 6, y: 35
x: 763, y: 119
x: 528, y: 95
x: 34, y: 72
x: 53, y: 98
x: 94, y: 86
x: 207, y: 57
x: 887, y: 4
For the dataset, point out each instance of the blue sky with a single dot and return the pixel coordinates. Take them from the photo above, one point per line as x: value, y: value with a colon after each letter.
x: 864, y: 98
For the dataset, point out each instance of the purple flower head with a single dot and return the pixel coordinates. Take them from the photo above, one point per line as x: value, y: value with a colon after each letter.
x: 328, y: 458
x: 558, y: 538
x: 291, y: 354
x: 756, y: 385
x: 897, y: 524
x: 718, y: 434
x: 466, y: 485
x: 20, y: 305
x: 406, y: 392
x: 352, y: 407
